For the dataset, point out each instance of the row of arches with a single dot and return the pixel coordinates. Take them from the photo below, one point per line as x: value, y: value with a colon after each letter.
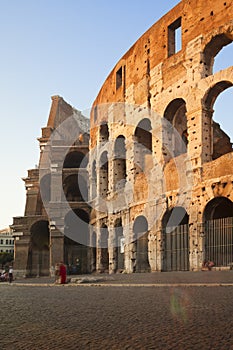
x: 74, y: 188
x: 216, y: 231
x: 87, y: 252
x: 175, y: 141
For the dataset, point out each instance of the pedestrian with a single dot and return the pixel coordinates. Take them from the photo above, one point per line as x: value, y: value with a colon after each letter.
x: 62, y: 273
x: 10, y: 274
x: 57, y: 273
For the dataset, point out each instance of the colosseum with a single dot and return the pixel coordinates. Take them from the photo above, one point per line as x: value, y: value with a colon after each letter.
x: 149, y: 186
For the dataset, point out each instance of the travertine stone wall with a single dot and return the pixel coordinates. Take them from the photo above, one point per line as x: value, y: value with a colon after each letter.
x: 154, y: 81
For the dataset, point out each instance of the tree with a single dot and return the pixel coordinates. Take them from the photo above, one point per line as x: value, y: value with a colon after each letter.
x: 6, y: 258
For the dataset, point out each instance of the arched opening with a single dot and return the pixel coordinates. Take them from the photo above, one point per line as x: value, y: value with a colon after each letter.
x: 104, y: 133
x: 143, y: 144
x: 104, y: 253
x: 103, y: 173
x: 93, y: 251
x: 76, y: 240
x: 219, y: 141
x: 38, y: 259
x: 75, y: 188
x: 212, y: 49
x: 75, y: 159
x: 175, y: 133
x: 140, y: 231
x: 119, y: 163
x: 223, y: 59
x: 119, y: 246
x: 222, y: 114
x: 176, y: 240
x: 218, y: 219
x: 94, y: 180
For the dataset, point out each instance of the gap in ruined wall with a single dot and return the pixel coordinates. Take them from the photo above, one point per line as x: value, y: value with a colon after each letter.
x: 223, y: 59
x: 211, y: 51
x: 222, y: 114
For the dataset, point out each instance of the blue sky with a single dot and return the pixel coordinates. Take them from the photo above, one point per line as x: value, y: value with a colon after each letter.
x: 57, y: 47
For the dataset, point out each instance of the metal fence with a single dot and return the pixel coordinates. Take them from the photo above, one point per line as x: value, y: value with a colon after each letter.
x: 176, y: 249
x: 219, y: 241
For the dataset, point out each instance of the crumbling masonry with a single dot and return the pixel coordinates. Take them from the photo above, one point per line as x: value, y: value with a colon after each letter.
x: 160, y: 169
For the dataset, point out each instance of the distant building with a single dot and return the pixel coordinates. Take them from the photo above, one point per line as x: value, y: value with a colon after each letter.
x: 6, y: 241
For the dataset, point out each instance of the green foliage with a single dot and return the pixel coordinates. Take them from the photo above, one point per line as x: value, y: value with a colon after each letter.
x: 6, y: 258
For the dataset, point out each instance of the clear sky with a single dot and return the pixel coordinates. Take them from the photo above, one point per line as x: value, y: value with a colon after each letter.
x: 58, y: 47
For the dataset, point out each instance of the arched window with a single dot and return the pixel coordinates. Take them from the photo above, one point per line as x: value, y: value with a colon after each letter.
x: 103, y: 174
x: 75, y: 159
x: 94, y: 180
x: 75, y: 188
x: 143, y: 144
x: 119, y: 163
x: 104, y: 133
x: 217, y: 141
x: 104, y: 253
x: 211, y: 51
x: 119, y: 245
x: 175, y: 134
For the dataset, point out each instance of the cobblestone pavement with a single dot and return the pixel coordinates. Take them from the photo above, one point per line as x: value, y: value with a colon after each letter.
x: 122, y: 312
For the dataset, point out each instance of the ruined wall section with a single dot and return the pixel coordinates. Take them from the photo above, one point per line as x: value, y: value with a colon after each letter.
x: 46, y: 205
x: 198, y: 19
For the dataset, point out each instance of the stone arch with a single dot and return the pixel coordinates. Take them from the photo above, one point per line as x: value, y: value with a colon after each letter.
x: 103, y: 174
x: 218, y: 226
x: 75, y: 188
x: 210, y: 51
x: 76, y: 241
x: 75, y: 159
x: 38, y: 259
x: 175, y: 230
x: 119, y: 241
x: 103, y: 132
x: 219, y: 142
x: 175, y: 133
x: 103, y: 246
x: 140, y: 232
x: 93, y: 179
x: 119, y: 163
x: 143, y: 144
x: 93, y: 244
x: 143, y: 133
x: 218, y: 208
x: 223, y: 58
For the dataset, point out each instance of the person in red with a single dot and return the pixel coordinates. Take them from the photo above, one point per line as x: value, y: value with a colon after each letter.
x: 62, y: 272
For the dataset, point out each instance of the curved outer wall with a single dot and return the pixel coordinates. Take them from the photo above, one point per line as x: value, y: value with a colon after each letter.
x: 155, y: 77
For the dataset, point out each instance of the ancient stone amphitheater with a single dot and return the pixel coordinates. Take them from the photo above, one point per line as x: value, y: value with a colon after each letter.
x: 159, y: 192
